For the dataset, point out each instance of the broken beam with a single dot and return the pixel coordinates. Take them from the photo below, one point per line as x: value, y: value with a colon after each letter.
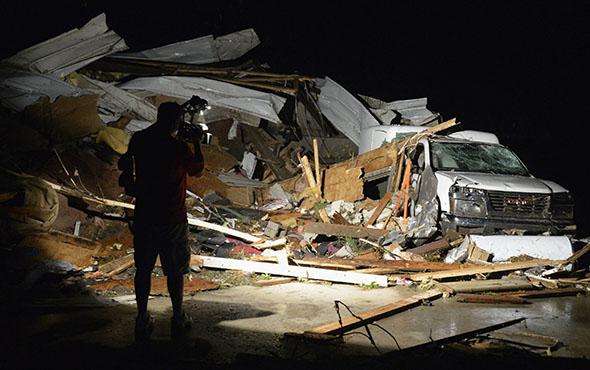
x: 294, y: 271
x: 375, y: 314
x: 473, y: 270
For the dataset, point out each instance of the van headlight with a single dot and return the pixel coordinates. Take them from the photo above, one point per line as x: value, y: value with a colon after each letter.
x: 562, y: 206
x: 467, y: 202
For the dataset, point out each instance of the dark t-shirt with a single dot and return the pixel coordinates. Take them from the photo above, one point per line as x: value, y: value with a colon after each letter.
x: 161, y: 165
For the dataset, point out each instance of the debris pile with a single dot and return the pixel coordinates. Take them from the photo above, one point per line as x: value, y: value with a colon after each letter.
x: 302, y: 179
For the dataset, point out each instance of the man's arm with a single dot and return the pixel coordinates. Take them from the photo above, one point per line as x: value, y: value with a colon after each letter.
x: 195, y: 162
x: 127, y: 166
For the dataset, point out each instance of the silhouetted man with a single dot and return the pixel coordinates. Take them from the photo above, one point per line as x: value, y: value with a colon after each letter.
x: 155, y: 170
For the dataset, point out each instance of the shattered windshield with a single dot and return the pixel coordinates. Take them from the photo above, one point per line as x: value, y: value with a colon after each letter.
x: 476, y: 157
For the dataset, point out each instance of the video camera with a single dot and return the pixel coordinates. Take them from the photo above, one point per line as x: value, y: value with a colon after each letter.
x: 187, y: 130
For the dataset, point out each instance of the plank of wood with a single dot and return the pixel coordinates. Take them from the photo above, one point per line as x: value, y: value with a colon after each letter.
x: 191, y: 221
x: 378, y: 270
x: 546, y: 293
x: 435, y: 246
x: 313, y: 185
x: 274, y: 281
x: 400, y: 265
x: 117, y: 266
x: 380, y: 207
x: 490, y: 299
x: 225, y: 230
x: 344, y: 230
x: 473, y: 270
x: 574, y: 257
x: 492, y: 285
x: 294, y: 271
x: 375, y: 314
x: 465, y: 335
x: 316, y: 161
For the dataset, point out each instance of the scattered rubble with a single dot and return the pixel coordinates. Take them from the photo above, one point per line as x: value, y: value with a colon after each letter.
x: 294, y: 186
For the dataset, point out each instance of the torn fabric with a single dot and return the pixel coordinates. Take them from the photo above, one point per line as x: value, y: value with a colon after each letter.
x: 202, y: 50
x: 217, y: 93
x: 343, y: 110
x: 72, y: 50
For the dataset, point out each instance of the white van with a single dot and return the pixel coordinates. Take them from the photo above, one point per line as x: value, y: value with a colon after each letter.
x: 482, y: 187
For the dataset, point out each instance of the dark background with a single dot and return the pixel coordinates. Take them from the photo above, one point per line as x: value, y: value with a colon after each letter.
x: 518, y: 70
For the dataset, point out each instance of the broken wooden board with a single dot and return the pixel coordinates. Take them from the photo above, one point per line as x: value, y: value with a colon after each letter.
x: 273, y: 281
x: 526, y: 338
x: 117, y: 265
x: 294, y: 271
x: 158, y: 287
x: 465, y: 335
x: 574, y: 257
x: 375, y: 314
x: 546, y: 293
x: 382, y: 204
x: 345, y: 184
x: 473, y: 270
x: 435, y: 246
x: 490, y: 299
x: 345, y: 230
x: 492, y: 285
x: 399, y: 265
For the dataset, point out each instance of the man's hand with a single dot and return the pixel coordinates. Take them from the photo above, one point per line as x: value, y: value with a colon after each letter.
x: 190, y: 132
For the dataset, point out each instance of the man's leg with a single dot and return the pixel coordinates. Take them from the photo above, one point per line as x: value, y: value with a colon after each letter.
x: 176, y: 291
x: 145, y: 258
x: 143, y: 283
x: 175, y: 262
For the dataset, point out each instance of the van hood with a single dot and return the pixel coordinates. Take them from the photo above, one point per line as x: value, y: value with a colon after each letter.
x: 495, y: 182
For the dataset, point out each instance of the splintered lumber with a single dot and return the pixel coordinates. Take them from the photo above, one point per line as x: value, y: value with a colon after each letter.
x: 375, y: 314
x: 435, y: 246
x: 546, y: 293
x: 225, y: 230
x: 117, y: 266
x: 314, y: 187
x: 412, y: 266
x: 526, y: 339
x: 473, y: 270
x: 574, y: 257
x: 492, y: 285
x: 382, y: 204
x: 274, y: 281
x: 294, y: 271
x: 490, y: 299
x: 191, y: 221
x: 344, y: 230
x: 461, y: 336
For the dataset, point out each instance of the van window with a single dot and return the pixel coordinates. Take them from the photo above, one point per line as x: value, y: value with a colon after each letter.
x: 476, y: 157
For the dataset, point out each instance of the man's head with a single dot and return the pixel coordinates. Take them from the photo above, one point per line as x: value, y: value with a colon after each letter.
x: 169, y: 116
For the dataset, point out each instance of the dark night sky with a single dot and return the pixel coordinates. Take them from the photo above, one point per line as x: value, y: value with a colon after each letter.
x: 517, y: 70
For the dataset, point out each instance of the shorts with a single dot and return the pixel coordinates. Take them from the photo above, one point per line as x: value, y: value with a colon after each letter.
x: 170, y: 242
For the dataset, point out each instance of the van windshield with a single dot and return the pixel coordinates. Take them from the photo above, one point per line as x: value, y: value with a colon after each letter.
x: 476, y: 157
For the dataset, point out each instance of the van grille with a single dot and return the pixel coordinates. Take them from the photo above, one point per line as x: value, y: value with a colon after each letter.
x: 535, y: 205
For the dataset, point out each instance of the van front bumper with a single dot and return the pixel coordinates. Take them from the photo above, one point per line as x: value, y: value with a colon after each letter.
x: 489, y: 226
